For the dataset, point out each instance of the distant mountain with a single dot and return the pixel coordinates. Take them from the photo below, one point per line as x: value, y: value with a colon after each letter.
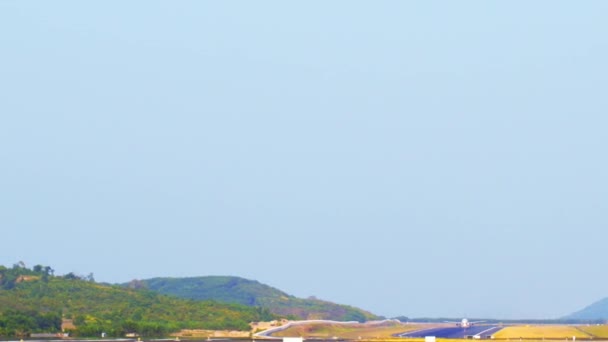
x: 597, y: 311
x: 252, y: 293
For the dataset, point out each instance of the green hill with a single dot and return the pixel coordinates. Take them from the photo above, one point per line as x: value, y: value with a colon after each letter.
x: 252, y: 293
x: 36, y: 301
x: 597, y: 311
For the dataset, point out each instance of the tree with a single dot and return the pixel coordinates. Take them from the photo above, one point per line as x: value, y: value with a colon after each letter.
x: 19, y: 265
x: 79, y: 320
x: 71, y: 276
x: 48, y: 270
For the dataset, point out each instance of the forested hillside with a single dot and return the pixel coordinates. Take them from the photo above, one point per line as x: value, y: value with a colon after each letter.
x: 252, y: 293
x: 35, y: 300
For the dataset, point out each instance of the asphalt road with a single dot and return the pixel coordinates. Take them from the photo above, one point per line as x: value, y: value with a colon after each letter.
x: 455, y: 332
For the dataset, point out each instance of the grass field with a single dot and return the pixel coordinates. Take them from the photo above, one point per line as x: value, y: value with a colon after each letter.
x: 353, y: 331
x: 598, y: 331
x: 385, y: 332
x: 540, y: 332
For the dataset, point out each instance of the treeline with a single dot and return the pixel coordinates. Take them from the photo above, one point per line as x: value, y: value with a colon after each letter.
x: 36, y: 300
x: 22, y: 323
x: 121, y: 328
x: 9, y: 277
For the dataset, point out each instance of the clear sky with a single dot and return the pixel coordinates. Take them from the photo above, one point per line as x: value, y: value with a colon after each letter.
x: 411, y: 158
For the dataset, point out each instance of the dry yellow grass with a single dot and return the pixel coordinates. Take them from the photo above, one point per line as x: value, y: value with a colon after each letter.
x: 354, y: 331
x: 402, y: 339
x: 600, y: 331
x: 411, y: 339
x: 540, y: 332
x: 384, y: 333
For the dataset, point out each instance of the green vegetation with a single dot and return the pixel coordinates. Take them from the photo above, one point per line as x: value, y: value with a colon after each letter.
x: 35, y: 300
x: 252, y: 293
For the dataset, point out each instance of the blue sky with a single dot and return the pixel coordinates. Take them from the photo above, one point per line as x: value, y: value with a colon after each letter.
x: 410, y: 158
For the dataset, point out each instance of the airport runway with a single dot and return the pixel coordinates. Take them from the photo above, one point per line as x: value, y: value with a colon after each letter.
x: 484, y: 331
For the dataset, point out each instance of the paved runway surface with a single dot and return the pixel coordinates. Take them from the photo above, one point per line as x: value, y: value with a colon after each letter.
x: 455, y: 332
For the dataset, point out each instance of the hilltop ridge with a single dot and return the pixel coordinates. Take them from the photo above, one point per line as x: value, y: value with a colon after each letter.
x: 595, y: 311
x: 229, y: 289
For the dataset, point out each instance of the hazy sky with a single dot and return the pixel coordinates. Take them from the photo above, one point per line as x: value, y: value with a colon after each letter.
x: 411, y: 158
